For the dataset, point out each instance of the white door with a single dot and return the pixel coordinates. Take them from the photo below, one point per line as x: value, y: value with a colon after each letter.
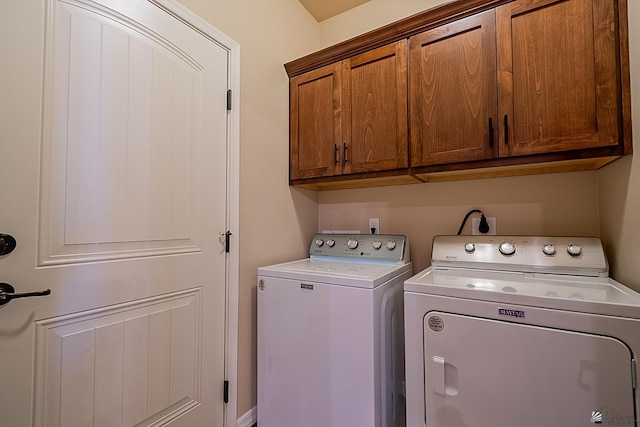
x: 113, y: 181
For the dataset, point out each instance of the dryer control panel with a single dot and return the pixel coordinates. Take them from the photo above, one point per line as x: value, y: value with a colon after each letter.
x: 379, y: 247
x: 582, y: 256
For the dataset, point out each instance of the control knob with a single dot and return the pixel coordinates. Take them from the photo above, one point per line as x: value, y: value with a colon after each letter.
x: 391, y: 245
x: 574, y: 250
x: 319, y: 242
x: 377, y: 244
x: 331, y: 243
x: 549, y: 249
x: 507, y: 248
x: 352, y: 243
x: 469, y: 247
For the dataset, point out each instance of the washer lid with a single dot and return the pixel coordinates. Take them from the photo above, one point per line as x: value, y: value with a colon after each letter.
x: 362, y: 274
x: 600, y: 295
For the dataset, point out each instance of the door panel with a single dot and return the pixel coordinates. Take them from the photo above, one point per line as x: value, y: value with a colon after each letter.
x: 375, y: 114
x: 123, y: 155
x: 115, y: 171
x: 315, y: 123
x: 453, y: 92
x: 552, y: 54
x: 120, y: 365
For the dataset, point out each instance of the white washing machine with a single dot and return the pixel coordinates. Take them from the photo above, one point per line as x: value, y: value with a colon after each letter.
x: 520, y: 331
x: 330, y: 334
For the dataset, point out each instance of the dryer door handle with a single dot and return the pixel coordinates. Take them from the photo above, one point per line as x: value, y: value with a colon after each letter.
x: 437, y: 378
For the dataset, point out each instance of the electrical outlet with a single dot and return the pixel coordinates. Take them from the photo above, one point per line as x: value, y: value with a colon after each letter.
x: 475, y: 225
x: 374, y: 224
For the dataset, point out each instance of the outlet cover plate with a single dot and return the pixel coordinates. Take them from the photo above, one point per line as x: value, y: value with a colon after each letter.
x: 475, y: 224
x: 374, y: 223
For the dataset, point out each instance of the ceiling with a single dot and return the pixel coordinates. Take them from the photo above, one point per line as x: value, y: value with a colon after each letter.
x: 323, y: 9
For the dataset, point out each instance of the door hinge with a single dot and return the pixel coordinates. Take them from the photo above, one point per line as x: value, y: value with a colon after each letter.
x: 634, y: 374
x: 227, y: 241
x: 226, y: 392
x: 229, y: 100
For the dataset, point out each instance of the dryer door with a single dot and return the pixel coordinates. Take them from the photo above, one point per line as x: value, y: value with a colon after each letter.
x: 487, y: 372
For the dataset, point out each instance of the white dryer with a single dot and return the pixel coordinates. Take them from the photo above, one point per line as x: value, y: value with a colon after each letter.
x: 330, y: 334
x: 520, y: 331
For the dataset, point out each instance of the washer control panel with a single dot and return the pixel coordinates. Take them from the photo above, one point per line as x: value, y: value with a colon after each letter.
x: 562, y: 255
x: 389, y: 247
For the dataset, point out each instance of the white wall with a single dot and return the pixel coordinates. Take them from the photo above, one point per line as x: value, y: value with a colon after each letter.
x: 552, y: 204
x: 620, y: 183
x: 368, y: 16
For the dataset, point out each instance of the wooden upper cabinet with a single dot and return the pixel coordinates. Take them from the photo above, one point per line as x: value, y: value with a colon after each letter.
x: 315, y: 135
x: 558, y: 75
x: 528, y: 77
x: 471, y: 88
x: 350, y: 117
x: 374, y: 118
x: 453, y: 92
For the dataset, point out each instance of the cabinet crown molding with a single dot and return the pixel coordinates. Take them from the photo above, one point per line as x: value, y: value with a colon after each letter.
x: 395, y: 31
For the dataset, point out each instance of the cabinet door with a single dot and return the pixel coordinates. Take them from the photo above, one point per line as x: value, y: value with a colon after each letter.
x: 315, y: 133
x: 557, y: 75
x: 453, y: 92
x: 375, y: 114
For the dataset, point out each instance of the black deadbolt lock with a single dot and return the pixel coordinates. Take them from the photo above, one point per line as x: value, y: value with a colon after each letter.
x: 7, y: 244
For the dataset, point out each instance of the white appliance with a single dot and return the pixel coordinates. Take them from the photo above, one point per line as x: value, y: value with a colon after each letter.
x: 330, y: 334
x: 520, y: 331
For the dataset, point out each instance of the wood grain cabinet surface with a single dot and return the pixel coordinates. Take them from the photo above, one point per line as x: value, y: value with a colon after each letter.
x: 453, y: 92
x: 350, y: 117
x: 470, y: 89
x: 315, y: 128
x: 558, y: 75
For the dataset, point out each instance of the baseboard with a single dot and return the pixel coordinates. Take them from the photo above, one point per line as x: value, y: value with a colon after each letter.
x: 249, y: 419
